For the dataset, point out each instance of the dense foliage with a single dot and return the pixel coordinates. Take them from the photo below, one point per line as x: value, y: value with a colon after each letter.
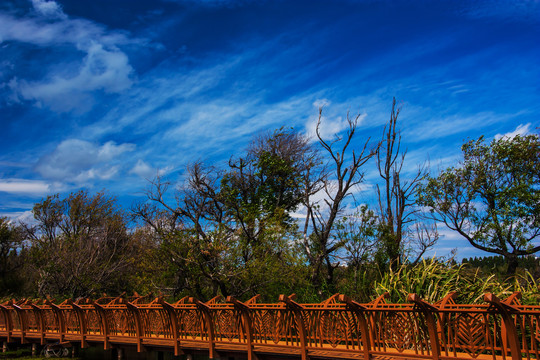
x: 493, y: 198
x: 79, y: 245
x: 280, y: 218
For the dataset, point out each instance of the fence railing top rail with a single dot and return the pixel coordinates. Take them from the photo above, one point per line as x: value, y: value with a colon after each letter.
x: 337, y: 302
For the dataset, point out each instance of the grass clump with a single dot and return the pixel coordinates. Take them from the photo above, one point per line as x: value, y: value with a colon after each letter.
x: 432, y: 279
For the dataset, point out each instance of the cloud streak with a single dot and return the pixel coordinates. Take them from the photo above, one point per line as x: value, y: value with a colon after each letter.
x: 101, y: 69
x: 49, y: 9
x: 23, y: 186
x: 455, y: 124
x: 78, y: 161
x: 521, y: 130
x: 104, y: 66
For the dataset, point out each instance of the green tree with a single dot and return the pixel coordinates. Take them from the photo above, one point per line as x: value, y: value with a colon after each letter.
x: 80, y: 245
x: 262, y: 188
x: 493, y: 198
x: 230, y: 231
x: 11, y: 259
x: 359, y: 234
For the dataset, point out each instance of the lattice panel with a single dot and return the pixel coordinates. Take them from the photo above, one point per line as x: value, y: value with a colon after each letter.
x: 72, y: 321
x: 268, y: 325
x: 32, y: 321
x: 15, y: 321
x: 121, y: 323
x: 93, y: 322
x: 52, y: 323
x: 275, y: 326
x: 227, y: 325
x: 330, y: 328
x: 3, y: 325
x: 354, y: 332
x: 191, y: 324
x: 400, y: 331
x: 469, y: 333
x: 156, y: 323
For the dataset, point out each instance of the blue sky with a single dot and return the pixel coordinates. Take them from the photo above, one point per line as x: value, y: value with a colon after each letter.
x: 106, y: 94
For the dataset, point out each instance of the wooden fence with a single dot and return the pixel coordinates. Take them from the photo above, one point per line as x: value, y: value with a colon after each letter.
x: 336, y: 328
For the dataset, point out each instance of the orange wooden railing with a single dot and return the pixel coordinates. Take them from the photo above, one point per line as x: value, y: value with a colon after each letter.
x: 336, y: 328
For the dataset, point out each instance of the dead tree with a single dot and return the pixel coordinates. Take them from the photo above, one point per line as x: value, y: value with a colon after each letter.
x: 335, y: 180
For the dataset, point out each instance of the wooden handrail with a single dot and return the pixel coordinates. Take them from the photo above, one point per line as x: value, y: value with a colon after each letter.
x: 419, y: 329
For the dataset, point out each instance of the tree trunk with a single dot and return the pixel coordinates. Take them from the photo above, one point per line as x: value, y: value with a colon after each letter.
x: 512, y: 261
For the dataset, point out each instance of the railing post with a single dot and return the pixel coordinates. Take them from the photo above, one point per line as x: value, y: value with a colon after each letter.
x: 374, y: 317
x: 138, y: 324
x: 505, y: 311
x: 39, y: 316
x: 248, y: 328
x: 82, y: 323
x: 24, y: 325
x: 205, y: 309
x: 297, y: 311
x: 9, y: 325
x: 428, y: 310
x: 359, y: 310
x: 104, y: 324
x: 443, y: 320
x: 60, y: 315
x: 169, y: 309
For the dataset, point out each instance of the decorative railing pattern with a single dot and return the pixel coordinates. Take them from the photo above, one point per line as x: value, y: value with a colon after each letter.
x: 336, y: 328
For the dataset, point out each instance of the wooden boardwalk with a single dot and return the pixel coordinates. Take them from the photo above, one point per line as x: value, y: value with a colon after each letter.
x: 338, y: 328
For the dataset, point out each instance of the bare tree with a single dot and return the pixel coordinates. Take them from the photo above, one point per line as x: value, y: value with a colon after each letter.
x: 397, y: 196
x: 426, y: 236
x: 336, y: 180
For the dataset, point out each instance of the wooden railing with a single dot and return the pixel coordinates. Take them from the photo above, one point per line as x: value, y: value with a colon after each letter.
x: 336, y: 328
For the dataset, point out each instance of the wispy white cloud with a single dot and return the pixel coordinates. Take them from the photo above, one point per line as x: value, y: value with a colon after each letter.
x: 450, y: 241
x: 23, y: 186
x: 330, y: 127
x: 503, y: 10
x: 14, y: 164
x: 26, y: 217
x: 146, y: 171
x: 521, y: 130
x: 80, y: 33
x: 454, y: 124
x: 143, y: 170
x: 348, y: 206
x: 214, y: 3
x: 103, y: 67
x: 49, y: 8
x: 77, y: 161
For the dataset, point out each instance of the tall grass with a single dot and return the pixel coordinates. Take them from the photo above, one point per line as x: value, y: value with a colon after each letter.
x: 432, y: 280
